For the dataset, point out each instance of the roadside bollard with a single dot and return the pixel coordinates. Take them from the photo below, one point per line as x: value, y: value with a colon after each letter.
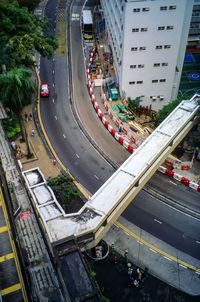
x: 126, y: 257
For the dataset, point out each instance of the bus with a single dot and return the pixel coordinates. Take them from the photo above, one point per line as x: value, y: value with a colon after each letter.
x: 87, y: 25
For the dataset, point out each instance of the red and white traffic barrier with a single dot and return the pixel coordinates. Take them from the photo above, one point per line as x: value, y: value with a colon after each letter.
x: 183, y: 180
x: 113, y: 132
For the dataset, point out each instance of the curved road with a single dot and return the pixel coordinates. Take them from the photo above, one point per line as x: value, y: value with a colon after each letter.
x: 90, y: 169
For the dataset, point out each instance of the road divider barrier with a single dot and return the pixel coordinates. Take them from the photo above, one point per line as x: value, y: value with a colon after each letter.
x: 113, y: 132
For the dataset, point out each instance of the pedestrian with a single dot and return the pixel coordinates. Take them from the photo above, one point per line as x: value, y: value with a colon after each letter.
x: 30, y: 116
x: 26, y: 116
x: 33, y: 132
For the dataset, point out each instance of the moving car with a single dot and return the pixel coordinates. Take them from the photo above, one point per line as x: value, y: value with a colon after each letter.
x: 44, y: 90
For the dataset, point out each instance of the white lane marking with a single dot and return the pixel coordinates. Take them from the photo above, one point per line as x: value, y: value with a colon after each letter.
x: 56, y: 117
x: 158, y: 221
x: 182, y: 265
x: 53, y: 71
x: 139, y: 242
x: 53, y: 101
x: 126, y: 233
x: 167, y: 258
x: 64, y: 136
x: 96, y: 176
x: 53, y: 84
x: 153, y: 250
x: 198, y: 273
x: 197, y: 241
x: 173, y: 183
x: 77, y: 155
x: 53, y: 59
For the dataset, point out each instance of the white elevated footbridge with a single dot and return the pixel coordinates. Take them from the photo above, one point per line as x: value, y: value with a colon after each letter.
x: 94, y: 219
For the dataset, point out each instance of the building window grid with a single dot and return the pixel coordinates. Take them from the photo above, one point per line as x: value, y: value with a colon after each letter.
x: 133, y: 66
x: 162, y: 80
x: 131, y: 82
x: 134, y: 48
x: 158, y: 46
x: 161, y: 27
x: 142, y: 48
x: 163, y: 8
x: 134, y: 30
x: 167, y: 46
x: 156, y: 64
x: 165, y: 64
x: 136, y: 10
x: 146, y: 9
x: 171, y: 7
x: 144, y: 29
x: 170, y: 27
x: 140, y: 65
x: 154, y: 81
x: 139, y: 82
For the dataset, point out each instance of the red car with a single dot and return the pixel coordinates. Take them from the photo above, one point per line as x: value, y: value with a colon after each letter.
x: 44, y: 90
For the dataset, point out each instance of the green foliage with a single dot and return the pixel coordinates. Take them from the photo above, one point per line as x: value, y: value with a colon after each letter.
x: 104, y: 299
x: 11, y: 126
x: 132, y: 104
x: 64, y: 189
x: 21, y: 33
x: 16, y: 89
x: 167, y: 109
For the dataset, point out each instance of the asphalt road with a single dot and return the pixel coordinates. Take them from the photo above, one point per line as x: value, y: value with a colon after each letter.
x: 90, y: 169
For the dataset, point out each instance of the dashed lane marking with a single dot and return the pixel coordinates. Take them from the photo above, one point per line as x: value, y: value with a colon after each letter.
x: 167, y: 258
x: 96, y: 177
x: 197, y: 241
x: 153, y: 250
x: 64, y: 136
x: 173, y: 183
x: 183, y: 266
x: 158, y: 221
x: 77, y: 156
x: 56, y: 117
x: 156, y: 249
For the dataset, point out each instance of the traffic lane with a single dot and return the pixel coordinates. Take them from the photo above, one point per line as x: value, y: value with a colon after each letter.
x: 169, y: 225
x: 86, y: 112
x: 175, y: 190
x: 70, y: 145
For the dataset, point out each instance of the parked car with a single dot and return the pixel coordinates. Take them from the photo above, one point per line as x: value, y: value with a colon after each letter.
x: 44, y: 90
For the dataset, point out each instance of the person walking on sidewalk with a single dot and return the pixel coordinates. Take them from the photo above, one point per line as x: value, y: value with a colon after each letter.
x: 30, y: 116
x: 33, y: 132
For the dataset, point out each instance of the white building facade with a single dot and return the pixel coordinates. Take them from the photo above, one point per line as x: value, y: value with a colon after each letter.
x: 148, y: 40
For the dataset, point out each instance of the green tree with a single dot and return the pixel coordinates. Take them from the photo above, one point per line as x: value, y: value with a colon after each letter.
x: 167, y: 109
x: 21, y: 34
x: 16, y: 90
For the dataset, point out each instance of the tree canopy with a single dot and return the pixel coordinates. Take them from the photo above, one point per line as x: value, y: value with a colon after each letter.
x: 167, y: 109
x: 21, y: 34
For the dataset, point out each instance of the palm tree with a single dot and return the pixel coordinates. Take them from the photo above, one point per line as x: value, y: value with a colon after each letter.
x: 16, y: 90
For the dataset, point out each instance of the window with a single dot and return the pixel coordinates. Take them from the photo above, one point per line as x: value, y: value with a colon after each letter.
x: 170, y: 27
x: 162, y: 80
x: 132, y: 83
x: 172, y: 7
x: 134, y: 30
x: 132, y: 66
x: 146, y: 9
x: 161, y: 97
x: 144, y: 29
x: 136, y: 10
x: 156, y: 64
x: 154, y: 81
x: 167, y: 46
x: 139, y: 82
x: 134, y: 48
x: 161, y: 27
x: 164, y: 64
x: 159, y: 47
x: 153, y: 97
x: 142, y: 48
x: 141, y: 66
x: 163, y: 8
